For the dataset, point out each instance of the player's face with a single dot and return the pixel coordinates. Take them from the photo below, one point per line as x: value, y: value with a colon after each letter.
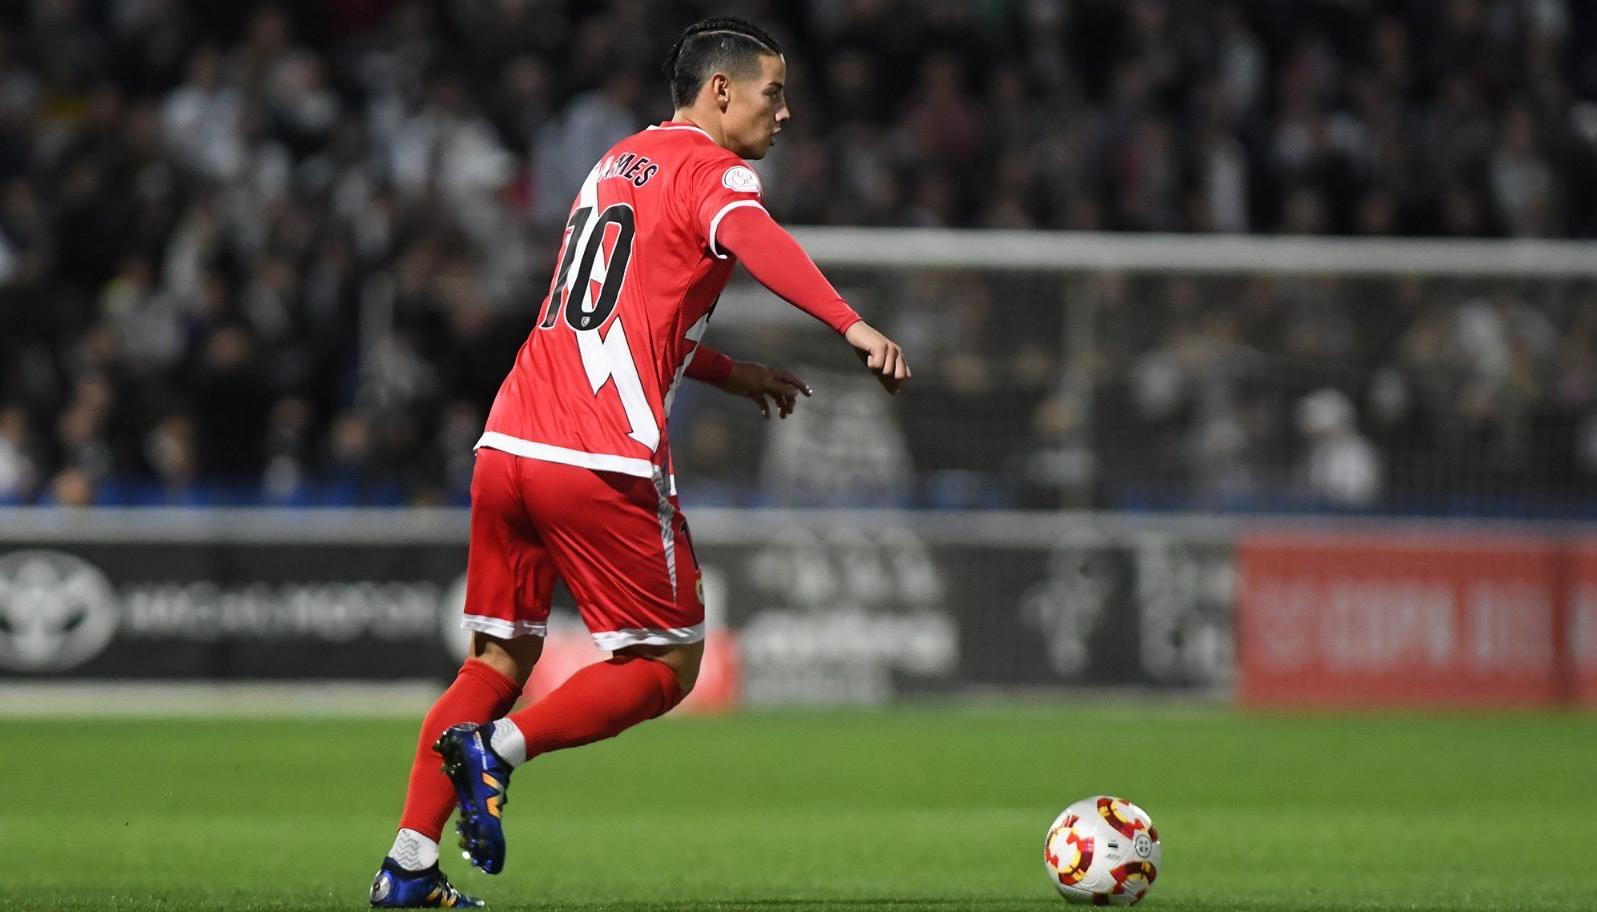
x: 756, y: 109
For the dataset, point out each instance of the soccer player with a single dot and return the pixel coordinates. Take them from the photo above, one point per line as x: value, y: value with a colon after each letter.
x: 573, y: 474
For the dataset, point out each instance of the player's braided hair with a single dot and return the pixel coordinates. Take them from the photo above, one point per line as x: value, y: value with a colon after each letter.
x: 724, y: 43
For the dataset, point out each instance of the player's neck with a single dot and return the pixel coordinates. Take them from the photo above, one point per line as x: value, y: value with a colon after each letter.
x: 704, y: 122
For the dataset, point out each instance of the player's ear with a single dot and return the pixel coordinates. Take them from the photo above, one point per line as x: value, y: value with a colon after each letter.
x: 721, y: 90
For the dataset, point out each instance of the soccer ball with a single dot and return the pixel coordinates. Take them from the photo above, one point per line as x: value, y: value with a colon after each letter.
x: 1102, y: 850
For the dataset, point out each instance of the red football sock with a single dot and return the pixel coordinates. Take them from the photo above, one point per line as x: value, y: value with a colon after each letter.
x: 599, y: 701
x: 480, y: 693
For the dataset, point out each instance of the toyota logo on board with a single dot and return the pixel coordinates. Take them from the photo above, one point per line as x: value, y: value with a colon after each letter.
x: 56, y: 611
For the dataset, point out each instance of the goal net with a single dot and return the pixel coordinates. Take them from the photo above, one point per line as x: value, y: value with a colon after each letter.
x: 1163, y: 373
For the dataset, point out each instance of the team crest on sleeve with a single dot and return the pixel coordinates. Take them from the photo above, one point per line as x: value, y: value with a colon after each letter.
x: 741, y: 180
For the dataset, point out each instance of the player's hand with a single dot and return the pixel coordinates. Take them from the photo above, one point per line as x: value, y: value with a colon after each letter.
x: 766, y: 385
x: 881, y: 354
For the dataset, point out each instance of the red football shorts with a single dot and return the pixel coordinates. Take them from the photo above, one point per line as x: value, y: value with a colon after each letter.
x: 618, y: 541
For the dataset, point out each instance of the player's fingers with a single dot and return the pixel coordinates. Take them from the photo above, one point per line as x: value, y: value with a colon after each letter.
x: 759, y: 400
x: 781, y: 387
x: 795, y: 381
x: 902, y: 371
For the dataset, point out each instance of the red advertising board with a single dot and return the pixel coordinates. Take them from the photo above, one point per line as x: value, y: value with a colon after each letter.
x: 1580, y: 627
x: 1383, y: 619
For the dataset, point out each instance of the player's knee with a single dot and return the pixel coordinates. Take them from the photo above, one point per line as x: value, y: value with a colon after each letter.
x: 513, y: 658
x: 688, y: 669
x: 683, y: 660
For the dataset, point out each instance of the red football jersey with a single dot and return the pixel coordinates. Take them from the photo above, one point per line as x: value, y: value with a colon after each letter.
x: 636, y: 279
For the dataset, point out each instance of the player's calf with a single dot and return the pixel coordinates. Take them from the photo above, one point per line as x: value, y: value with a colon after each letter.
x: 482, y: 780
x: 598, y: 702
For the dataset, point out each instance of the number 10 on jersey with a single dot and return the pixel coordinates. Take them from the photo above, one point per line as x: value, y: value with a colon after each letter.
x: 588, y: 296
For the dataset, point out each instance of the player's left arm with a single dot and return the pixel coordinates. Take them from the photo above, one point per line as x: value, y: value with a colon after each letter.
x: 764, y: 385
x: 776, y: 261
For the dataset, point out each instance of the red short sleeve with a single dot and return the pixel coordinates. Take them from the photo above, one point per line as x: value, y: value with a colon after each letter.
x: 718, y: 186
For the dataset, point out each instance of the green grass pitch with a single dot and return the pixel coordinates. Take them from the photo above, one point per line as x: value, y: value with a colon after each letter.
x: 906, y: 809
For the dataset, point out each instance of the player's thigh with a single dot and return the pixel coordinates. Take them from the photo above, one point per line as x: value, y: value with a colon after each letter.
x: 623, y: 550
x: 509, y: 571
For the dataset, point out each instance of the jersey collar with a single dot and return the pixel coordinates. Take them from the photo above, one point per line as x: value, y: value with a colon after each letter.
x: 680, y: 125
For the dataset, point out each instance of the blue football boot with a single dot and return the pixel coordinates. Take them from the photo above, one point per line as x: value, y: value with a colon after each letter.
x: 481, y: 778
x: 396, y: 888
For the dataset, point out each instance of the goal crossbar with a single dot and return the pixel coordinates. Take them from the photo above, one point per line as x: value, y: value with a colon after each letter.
x: 1060, y: 251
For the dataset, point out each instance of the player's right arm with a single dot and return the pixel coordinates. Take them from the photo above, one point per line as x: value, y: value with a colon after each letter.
x: 776, y: 261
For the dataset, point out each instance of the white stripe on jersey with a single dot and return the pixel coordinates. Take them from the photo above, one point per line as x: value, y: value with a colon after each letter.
x: 609, y: 356
x: 598, y: 462
x: 694, y: 334
x: 715, y: 223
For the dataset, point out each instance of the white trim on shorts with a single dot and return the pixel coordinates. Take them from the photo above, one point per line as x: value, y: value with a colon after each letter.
x: 611, y: 640
x: 503, y: 629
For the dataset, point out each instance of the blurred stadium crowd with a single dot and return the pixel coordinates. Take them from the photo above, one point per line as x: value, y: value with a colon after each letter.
x: 283, y: 254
